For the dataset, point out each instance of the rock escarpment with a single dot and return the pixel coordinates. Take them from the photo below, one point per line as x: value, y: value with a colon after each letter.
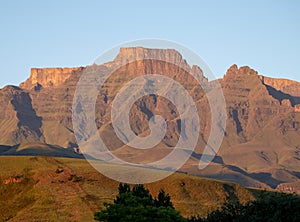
x: 261, y: 136
x: 47, y: 77
x: 139, y: 61
x: 284, y: 85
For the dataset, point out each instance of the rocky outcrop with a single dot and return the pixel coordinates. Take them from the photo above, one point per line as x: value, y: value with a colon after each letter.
x: 140, y: 53
x: 235, y: 72
x: 139, y: 61
x: 289, y: 188
x: 284, y: 85
x: 47, y: 77
x: 15, y: 179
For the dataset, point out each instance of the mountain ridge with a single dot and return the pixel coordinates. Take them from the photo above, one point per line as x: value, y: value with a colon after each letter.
x: 260, y: 147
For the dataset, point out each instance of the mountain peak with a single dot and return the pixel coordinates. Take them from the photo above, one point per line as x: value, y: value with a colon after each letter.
x: 243, y: 70
x: 129, y: 54
x: 246, y: 70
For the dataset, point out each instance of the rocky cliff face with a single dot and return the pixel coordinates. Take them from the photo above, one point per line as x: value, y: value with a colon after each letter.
x: 139, y: 61
x: 139, y: 53
x: 47, y: 77
x: 284, y: 85
x: 250, y: 103
x: 18, y: 120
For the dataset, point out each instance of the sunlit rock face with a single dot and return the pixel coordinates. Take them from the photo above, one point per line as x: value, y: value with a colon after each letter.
x: 48, y: 77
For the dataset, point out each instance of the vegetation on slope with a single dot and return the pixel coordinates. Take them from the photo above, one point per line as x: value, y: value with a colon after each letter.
x: 61, y: 189
x: 138, y: 205
x: 269, y: 207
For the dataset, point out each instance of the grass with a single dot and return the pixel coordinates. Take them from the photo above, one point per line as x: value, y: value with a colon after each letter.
x: 16, y: 196
x: 46, y: 194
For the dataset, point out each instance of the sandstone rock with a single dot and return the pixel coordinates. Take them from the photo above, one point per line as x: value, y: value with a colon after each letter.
x: 286, y: 102
x: 235, y: 72
x: 297, y: 108
x: 15, y: 179
x: 284, y: 85
x: 48, y: 77
x: 139, y: 53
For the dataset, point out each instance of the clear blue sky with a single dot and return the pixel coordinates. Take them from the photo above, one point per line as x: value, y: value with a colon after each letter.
x: 262, y: 34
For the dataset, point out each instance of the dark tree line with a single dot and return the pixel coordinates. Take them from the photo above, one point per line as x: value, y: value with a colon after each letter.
x: 268, y: 207
x: 138, y: 205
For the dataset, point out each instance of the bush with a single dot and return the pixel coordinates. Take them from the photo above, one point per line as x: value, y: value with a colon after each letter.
x: 138, y: 205
x: 269, y: 207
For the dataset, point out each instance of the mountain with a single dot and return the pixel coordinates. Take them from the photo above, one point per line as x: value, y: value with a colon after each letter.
x: 261, y: 147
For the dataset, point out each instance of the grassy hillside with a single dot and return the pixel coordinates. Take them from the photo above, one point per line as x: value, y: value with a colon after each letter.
x: 61, y: 189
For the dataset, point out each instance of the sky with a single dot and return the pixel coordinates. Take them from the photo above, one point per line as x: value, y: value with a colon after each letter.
x: 264, y: 35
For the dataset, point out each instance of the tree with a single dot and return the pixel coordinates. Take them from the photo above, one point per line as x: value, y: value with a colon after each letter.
x: 275, y: 207
x: 269, y: 207
x: 232, y: 211
x: 163, y: 199
x: 123, y: 190
x: 138, y: 205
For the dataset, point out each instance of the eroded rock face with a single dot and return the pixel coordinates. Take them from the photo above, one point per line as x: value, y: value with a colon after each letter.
x: 18, y: 120
x: 138, y: 61
x: 234, y: 72
x: 284, y: 85
x: 251, y: 103
x: 47, y: 77
x: 139, y: 53
x: 262, y: 113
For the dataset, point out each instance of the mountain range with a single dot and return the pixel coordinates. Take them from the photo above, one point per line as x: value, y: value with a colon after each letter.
x: 261, y: 147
